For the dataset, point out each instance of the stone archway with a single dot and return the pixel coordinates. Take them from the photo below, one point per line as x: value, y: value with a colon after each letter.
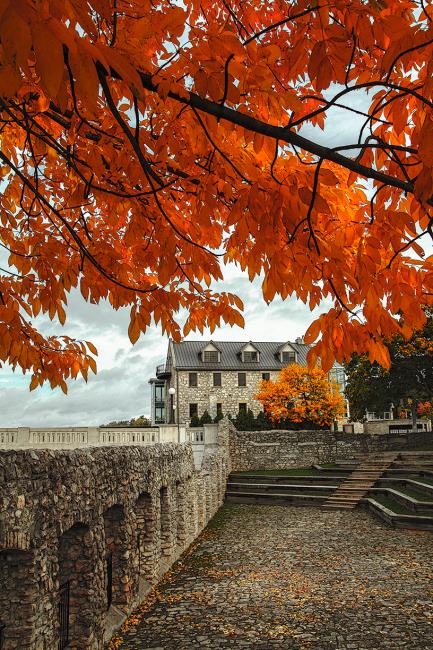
x: 208, y: 497
x: 192, y: 508
x: 77, y: 613
x: 146, y: 530
x: 181, y: 514
x: 166, y: 524
x: 201, y: 502
x: 117, y: 580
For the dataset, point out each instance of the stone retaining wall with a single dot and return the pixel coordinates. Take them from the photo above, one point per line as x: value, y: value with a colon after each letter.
x: 70, y: 517
x: 251, y: 450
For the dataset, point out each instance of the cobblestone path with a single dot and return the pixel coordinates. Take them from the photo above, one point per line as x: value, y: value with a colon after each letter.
x: 280, y: 577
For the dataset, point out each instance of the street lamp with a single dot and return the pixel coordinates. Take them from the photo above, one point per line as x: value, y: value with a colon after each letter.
x: 172, y: 393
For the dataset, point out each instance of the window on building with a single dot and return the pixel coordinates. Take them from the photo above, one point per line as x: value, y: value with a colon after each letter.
x: 266, y: 376
x: 193, y: 410
x: 193, y: 379
x: 242, y: 378
x: 210, y: 356
x: 242, y: 407
x: 250, y: 356
x: 288, y: 357
x: 217, y: 379
x: 159, y: 393
x: 159, y: 414
x: 219, y: 408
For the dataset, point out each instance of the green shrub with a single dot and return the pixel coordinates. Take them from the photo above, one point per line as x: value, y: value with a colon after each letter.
x: 205, y: 418
x: 195, y: 421
x: 245, y: 421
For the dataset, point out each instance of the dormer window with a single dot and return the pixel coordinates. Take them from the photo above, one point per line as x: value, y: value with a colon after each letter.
x: 288, y: 357
x: 210, y: 353
x: 210, y: 356
x: 249, y: 353
x: 286, y: 354
x: 250, y: 356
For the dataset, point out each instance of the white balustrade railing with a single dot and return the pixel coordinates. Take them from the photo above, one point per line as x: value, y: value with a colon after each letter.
x: 75, y: 437
x: 128, y: 436
x: 72, y: 437
x: 8, y: 436
x: 206, y: 434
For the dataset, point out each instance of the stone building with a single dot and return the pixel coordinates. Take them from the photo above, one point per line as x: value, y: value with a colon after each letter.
x: 220, y: 376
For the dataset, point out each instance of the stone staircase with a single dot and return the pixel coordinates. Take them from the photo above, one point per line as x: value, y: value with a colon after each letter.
x: 354, y: 487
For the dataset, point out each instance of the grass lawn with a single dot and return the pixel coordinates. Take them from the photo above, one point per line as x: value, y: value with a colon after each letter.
x: 413, y: 493
x: 392, y: 505
x: 423, y: 479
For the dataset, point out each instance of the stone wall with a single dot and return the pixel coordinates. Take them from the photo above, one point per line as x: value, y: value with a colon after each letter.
x: 252, y: 450
x: 71, y: 518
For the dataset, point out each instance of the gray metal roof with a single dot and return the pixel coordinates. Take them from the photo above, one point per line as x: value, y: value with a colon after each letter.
x: 187, y: 355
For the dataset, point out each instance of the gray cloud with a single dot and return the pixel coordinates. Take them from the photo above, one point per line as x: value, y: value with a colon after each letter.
x: 120, y: 390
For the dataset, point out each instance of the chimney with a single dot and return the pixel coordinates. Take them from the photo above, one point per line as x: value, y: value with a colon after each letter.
x: 299, y: 340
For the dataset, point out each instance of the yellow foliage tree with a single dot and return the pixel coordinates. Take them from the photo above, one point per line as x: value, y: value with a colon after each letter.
x: 300, y: 394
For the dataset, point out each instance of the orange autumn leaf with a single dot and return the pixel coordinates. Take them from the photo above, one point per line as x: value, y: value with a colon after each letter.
x: 134, y: 163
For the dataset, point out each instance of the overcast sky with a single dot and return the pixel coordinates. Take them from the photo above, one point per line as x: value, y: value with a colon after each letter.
x: 120, y: 390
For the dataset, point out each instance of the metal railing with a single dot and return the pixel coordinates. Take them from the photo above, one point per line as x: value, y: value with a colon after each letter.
x: 109, y: 580
x: 163, y: 369
x: 64, y: 594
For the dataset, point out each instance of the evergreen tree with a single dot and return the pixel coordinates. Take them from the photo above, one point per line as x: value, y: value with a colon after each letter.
x: 205, y: 418
x: 195, y: 421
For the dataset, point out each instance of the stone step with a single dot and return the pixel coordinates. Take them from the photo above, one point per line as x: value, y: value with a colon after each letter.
x: 341, y: 500
x: 352, y: 488
x: 349, y: 493
x: 364, y: 476
x: 367, y: 473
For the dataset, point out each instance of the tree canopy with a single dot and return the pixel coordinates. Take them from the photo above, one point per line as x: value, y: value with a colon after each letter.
x: 407, y: 384
x: 144, y: 145
x: 141, y: 421
x: 301, y: 395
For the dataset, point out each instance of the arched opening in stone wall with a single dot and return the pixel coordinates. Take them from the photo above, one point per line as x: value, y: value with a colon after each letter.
x: 75, y: 581
x: 145, y: 534
x: 222, y: 482
x: 19, y: 591
x: 180, y: 514
x: 201, y: 502
x: 208, y: 496
x: 116, y: 557
x: 165, y: 519
x: 192, y: 513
